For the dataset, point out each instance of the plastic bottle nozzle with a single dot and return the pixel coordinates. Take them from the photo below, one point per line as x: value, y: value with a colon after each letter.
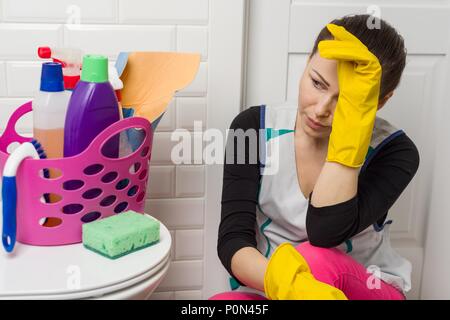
x: 69, y: 58
x: 52, y: 77
x: 44, y: 52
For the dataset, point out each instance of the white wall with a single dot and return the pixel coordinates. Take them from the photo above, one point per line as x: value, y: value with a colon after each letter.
x: 176, y: 193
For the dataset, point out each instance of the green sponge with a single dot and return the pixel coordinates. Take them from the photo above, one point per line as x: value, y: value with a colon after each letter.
x: 121, y: 234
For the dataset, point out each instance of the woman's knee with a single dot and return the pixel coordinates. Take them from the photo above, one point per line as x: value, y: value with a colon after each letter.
x: 325, y: 263
x: 310, y: 252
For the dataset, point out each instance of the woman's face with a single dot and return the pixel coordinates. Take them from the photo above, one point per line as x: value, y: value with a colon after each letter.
x: 318, y: 94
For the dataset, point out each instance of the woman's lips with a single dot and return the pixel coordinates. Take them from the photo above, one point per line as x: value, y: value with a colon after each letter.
x: 313, y: 124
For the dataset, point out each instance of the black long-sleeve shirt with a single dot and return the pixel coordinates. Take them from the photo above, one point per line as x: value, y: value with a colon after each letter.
x: 379, y: 186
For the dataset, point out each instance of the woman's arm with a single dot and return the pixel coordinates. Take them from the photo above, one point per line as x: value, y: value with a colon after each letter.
x: 378, y: 187
x: 359, y: 75
x: 336, y: 183
x: 239, y: 201
x: 249, y: 266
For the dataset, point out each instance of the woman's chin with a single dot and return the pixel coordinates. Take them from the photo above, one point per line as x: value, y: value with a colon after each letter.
x: 316, y: 134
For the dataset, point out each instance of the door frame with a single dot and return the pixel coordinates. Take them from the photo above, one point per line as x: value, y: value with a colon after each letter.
x: 436, y: 263
x: 226, y: 52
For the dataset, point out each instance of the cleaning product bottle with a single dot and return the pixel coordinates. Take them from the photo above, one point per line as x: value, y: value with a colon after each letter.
x: 117, y: 84
x: 49, y: 111
x: 92, y: 108
x: 70, y: 58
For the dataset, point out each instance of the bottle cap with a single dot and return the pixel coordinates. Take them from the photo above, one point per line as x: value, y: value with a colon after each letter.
x: 94, y: 69
x: 52, y: 77
x: 44, y: 52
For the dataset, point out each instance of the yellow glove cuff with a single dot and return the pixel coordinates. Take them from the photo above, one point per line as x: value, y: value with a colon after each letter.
x: 288, y: 277
x: 283, y: 266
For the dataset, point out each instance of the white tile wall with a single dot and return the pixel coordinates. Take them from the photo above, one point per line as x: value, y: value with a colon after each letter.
x: 188, y: 295
x: 162, y: 148
x: 183, y: 275
x: 64, y: 11
x: 188, y: 244
x: 190, y: 181
x: 161, y: 182
x: 193, y: 39
x: 23, y: 78
x: 177, y: 213
x: 190, y: 110
x: 164, y: 11
x: 168, y: 120
x: 175, y: 193
x: 20, y: 41
x: 168, y: 295
x: 7, y: 107
x: 198, y: 87
x: 110, y: 40
x: 3, y: 91
x: 163, y: 144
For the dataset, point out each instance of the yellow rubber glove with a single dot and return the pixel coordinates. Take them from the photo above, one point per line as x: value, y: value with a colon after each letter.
x: 359, y: 75
x: 288, y: 277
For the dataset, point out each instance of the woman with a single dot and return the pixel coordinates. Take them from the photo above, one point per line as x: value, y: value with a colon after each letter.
x: 307, y: 220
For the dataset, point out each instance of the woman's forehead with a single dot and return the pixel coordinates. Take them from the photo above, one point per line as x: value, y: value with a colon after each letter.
x: 325, y: 67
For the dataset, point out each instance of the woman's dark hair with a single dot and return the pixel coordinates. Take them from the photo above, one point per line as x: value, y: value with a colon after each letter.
x: 385, y: 43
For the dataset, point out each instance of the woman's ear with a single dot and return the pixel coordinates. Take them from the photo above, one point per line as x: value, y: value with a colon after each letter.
x: 383, y: 101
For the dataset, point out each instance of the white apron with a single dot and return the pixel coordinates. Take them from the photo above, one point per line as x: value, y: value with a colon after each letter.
x: 282, y: 207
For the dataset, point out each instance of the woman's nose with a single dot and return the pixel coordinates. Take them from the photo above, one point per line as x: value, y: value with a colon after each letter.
x: 324, y: 107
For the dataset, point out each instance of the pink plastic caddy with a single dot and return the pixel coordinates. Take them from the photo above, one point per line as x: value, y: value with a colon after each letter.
x: 99, y: 186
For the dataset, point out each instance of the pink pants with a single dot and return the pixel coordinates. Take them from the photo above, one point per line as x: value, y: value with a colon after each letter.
x: 337, y: 269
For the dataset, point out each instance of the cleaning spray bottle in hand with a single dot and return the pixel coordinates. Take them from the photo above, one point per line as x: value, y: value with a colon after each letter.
x: 92, y: 108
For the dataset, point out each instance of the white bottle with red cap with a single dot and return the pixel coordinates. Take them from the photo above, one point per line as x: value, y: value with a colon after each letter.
x: 71, y: 60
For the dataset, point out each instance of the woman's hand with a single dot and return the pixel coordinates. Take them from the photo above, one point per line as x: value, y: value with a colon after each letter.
x: 359, y: 74
x: 288, y: 277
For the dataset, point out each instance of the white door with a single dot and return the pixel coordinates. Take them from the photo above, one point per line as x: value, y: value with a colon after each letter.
x: 281, y: 34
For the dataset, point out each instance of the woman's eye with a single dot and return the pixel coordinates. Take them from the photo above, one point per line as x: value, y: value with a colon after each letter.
x: 317, y: 84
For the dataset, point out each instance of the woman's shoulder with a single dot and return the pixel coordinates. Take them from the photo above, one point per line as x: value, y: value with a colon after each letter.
x: 403, y: 146
x: 247, y: 119
x: 392, y: 145
x: 386, y: 133
x: 280, y: 115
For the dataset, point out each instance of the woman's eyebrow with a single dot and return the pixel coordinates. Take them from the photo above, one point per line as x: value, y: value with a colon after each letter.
x: 326, y: 82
